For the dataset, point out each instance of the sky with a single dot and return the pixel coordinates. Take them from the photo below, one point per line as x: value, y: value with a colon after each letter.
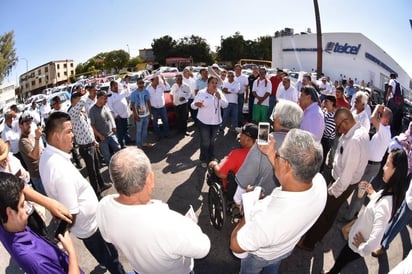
x: 47, y: 30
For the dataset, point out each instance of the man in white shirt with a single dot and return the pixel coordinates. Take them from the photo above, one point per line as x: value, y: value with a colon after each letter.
x: 381, y: 120
x: 350, y: 161
x: 66, y: 184
x: 181, y: 94
x: 157, y: 101
x: 91, y: 98
x: 278, y: 221
x: 262, y: 88
x: 119, y: 108
x: 191, y: 82
x: 153, y: 238
x: 325, y: 88
x: 11, y: 133
x: 45, y: 110
x: 243, y: 92
x: 231, y: 89
x: 287, y: 91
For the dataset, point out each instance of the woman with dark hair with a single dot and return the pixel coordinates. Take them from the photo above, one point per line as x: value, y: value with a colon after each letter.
x: 329, y: 133
x: 367, y: 231
x: 209, y: 102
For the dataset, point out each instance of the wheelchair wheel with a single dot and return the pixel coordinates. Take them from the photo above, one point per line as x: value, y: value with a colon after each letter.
x: 217, y: 207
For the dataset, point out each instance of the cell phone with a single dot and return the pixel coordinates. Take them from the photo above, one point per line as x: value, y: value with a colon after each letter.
x: 263, y: 133
x: 61, y: 228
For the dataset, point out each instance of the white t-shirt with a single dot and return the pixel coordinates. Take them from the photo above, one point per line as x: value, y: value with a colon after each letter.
x: 153, y: 238
x: 179, y: 92
x: 192, y: 84
x: 379, y: 143
x: 261, y: 87
x: 243, y: 81
x: 234, y: 89
x: 64, y: 183
x: 279, y: 220
x: 363, y: 119
x: 290, y: 94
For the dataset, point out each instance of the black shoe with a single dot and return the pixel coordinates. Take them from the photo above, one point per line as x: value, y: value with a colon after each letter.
x: 105, y: 186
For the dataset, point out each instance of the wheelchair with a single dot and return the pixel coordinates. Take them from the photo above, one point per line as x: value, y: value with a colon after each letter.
x: 220, y: 198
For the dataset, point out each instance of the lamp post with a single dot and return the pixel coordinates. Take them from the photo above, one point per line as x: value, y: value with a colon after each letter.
x: 128, y: 49
x: 27, y: 70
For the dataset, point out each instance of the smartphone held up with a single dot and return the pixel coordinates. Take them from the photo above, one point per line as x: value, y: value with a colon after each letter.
x: 263, y: 133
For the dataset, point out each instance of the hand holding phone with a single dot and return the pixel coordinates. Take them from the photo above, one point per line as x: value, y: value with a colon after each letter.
x: 61, y: 229
x: 263, y: 133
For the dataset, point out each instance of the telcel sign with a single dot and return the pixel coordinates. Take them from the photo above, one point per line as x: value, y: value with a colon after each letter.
x: 336, y: 47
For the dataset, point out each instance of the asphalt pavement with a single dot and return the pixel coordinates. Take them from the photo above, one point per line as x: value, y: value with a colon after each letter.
x: 180, y: 181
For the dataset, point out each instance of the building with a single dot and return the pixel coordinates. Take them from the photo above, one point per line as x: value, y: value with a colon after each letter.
x: 345, y: 55
x: 48, y: 75
x: 7, y: 96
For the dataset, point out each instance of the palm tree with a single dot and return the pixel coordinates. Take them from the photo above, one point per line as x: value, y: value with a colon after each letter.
x: 319, y: 40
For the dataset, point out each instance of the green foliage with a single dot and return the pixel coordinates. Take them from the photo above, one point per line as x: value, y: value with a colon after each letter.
x: 235, y: 47
x: 116, y: 59
x: 8, y: 58
x: 189, y: 46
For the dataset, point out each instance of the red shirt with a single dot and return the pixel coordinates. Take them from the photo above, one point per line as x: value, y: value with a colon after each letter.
x: 341, y: 102
x: 275, y: 80
x: 233, y: 162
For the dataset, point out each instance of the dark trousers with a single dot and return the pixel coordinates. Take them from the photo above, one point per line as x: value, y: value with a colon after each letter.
x: 104, y: 253
x: 250, y: 105
x: 346, y: 256
x: 193, y: 112
x: 208, y: 135
x: 122, y: 131
x: 326, y: 219
x: 182, y: 114
x: 91, y: 159
x: 240, y: 103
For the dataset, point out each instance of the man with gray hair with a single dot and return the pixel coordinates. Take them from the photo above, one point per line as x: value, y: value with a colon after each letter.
x: 279, y: 220
x: 256, y: 169
x: 359, y: 110
x: 153, y: 238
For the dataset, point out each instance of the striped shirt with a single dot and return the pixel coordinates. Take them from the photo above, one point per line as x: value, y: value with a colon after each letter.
x: 330, y: 131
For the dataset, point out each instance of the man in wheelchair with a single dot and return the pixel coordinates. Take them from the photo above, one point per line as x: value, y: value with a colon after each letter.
x: 232, y: 163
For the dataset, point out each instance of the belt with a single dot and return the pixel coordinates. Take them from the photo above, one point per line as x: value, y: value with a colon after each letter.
x: 88, y: 145
x: 374, y: 163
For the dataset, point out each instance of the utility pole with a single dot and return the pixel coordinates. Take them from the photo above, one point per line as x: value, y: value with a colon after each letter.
x: 319, y: 40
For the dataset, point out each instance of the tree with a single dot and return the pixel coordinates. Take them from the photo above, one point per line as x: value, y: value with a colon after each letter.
x: 195, y: 47
x: 132, y: 64
x: 232, y: 48
x: 116, y: 59
x: 8, y: 57
x: 163, y: 47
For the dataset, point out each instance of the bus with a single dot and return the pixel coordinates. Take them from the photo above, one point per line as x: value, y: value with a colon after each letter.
x: 248, y: 63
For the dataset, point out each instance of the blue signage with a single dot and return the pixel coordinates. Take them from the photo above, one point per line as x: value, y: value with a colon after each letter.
x: 338, y: 48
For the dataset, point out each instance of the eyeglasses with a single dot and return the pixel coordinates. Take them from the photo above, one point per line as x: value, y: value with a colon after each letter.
x: 277, y: 155
x: 29, y: 207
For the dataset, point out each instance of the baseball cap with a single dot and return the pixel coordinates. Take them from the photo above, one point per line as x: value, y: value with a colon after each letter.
x: 25, y: 117
x: 249, y: 129
x: 103, y: 93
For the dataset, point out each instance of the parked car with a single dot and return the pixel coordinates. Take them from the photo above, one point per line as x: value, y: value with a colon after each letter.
x: 64, y: 98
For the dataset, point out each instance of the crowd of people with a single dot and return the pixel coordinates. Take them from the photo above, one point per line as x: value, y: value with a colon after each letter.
x: 327, y: 144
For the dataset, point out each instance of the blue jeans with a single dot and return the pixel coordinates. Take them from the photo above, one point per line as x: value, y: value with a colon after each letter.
x: 240, y: 102
x: 253, y: 264
x: 230, y: 112
x: 163, y: 116
x: 122, y: 132
x: 104, y: 253
x: 208, y: 135
x: 38, y: 185
x: 108, y: 147
x: 402, y: 217
x: 141, y: 131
